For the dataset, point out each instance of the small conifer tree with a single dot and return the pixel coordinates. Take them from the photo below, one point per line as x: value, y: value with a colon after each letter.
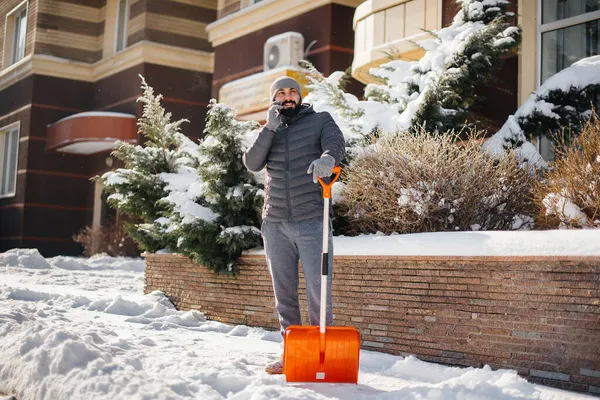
x: 196, y: 200
x: 229, y: 191
x: 137, y: 188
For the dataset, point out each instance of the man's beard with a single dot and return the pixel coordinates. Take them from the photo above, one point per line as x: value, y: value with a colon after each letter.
x: 291, y: 112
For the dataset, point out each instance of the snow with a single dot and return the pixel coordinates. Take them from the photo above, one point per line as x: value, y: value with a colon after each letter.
x: 92, y: 146
x: 481, y: 243
x: 89, y: 114
x: 117, y: 177
x: 556, y: 242
x: 558, y: 204
x: 185, y: 188
x: 239, y: 230
x: 83, y: 328
x: 580, y: 74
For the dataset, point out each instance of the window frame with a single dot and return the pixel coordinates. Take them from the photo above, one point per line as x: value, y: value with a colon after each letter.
x: 553, y: 26
x: 549, y: 27
x: 125, y: 26
x: 7, y: 130
x: 11, y: 35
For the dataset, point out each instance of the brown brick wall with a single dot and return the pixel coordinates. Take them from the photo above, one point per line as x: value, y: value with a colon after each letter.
x: 539, y: 316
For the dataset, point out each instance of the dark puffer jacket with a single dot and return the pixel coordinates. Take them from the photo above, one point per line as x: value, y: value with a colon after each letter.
x: 290, y: 193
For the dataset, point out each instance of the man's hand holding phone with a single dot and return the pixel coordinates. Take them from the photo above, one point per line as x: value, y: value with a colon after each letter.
x: 274, y: 116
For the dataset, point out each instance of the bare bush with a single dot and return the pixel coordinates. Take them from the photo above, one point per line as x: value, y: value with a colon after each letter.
x: 428, y: 183
x: 108, y: 238
x: 569, y: 194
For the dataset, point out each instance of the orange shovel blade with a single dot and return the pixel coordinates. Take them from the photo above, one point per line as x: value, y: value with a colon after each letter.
x: 303, y: 360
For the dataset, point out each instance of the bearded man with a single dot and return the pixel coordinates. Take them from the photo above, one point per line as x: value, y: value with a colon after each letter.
x: 296, y: 145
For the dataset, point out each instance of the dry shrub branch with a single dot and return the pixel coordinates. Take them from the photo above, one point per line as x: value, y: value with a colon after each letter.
x: 429, y: 182
x: 109, y: 238
x: 569, y: 194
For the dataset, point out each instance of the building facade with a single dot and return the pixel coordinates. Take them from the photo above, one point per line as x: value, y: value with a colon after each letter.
x: 69, y: 79
x: 68, y: 88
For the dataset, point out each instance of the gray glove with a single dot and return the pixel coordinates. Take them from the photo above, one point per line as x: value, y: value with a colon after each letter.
x: 322, y: 167
x: 274, y: 117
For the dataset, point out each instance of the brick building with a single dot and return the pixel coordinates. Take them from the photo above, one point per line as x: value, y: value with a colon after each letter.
x: 69, y: 79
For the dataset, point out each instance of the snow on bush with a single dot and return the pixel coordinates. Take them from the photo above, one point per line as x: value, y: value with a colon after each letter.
x: 569, y: 194
x: 429, y: 182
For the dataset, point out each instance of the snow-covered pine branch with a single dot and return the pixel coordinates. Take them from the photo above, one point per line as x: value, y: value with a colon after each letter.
x: 435, y: 92
x: 457, y: 60
x: 326, y: 94
x: 565, y: 100
x: 360, y: 121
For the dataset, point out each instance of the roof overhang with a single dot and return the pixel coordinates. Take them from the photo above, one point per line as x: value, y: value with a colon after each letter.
x: 91, y: 132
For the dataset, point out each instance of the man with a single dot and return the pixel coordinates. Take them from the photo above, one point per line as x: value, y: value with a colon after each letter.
x: 297, y: 145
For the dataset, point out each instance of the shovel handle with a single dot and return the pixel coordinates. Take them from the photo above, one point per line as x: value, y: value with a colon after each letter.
x: 327, y: 187
x: 325, y: 254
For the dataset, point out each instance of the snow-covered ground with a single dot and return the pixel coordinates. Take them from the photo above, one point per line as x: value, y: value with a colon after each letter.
x: 75, y: 328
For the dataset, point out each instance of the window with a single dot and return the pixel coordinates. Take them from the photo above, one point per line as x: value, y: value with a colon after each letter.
x: 15, y: 34
x: 121, y: 25
x: 568, y: 33
x: 9, y: 148
x: 20, y: 33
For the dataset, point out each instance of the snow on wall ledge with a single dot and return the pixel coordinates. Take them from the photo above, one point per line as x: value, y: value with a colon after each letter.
x: 538, y: 315
x: 557, y: 242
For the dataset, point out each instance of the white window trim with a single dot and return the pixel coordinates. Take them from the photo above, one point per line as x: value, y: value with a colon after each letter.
x: 9, y: 26
x: 251, y: 3
x: 6, y: 129
x: 125, y: 26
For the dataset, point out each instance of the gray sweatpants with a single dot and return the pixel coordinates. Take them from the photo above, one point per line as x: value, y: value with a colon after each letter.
x: 285, y: 244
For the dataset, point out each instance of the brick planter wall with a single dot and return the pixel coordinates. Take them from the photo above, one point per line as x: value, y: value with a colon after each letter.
x: 537, y: 315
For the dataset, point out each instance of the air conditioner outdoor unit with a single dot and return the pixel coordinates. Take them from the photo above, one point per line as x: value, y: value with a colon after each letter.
x: 286, y: 49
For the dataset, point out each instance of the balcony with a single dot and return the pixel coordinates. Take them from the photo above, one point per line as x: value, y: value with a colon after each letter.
x: 384, y: 28
x: 91, y: 132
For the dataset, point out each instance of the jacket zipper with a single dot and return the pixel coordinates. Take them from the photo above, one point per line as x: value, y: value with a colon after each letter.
x: 287, y: 174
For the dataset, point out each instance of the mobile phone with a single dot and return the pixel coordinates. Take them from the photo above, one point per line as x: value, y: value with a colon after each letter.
x: 277, y: 103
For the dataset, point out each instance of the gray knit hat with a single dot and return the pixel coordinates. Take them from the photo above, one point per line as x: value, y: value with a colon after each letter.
x: 285, y: 82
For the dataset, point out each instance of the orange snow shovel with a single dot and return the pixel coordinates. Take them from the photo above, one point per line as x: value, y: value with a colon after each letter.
x: 319, y: 353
